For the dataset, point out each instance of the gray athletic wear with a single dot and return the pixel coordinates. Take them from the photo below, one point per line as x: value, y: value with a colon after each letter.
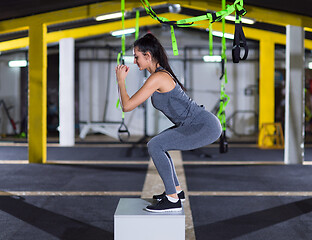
x: 194, y: 127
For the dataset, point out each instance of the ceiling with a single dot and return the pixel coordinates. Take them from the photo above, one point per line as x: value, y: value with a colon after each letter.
x: 21, y: 8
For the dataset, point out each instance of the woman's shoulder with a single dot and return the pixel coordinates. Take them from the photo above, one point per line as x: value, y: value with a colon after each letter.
x: 159, y: 75
x: 165, y: 81
x: 164, y: 74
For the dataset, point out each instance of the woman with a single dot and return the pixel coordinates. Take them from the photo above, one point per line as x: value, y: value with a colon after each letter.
x: 194, y: 126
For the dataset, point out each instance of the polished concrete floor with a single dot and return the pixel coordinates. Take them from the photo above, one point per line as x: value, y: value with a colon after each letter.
x: 247, y: 193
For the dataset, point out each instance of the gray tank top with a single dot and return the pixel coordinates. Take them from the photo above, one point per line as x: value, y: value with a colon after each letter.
x: 175, y: 104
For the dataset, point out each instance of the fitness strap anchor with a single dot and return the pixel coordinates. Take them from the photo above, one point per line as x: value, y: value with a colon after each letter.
x: 189, y: 22
x: 224, y: 98
x: 123, y: 132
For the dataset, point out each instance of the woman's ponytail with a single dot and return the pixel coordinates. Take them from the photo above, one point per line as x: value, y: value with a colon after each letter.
x: 149, y: 43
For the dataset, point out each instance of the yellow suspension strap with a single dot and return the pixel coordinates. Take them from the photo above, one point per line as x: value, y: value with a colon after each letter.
x: 224, y: 98
x: 123, y: 132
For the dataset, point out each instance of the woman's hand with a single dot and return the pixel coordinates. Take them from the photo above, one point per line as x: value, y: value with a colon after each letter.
x: 121, y: 73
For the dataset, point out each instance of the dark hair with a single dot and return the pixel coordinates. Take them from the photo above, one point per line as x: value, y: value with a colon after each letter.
x: 149, y: 43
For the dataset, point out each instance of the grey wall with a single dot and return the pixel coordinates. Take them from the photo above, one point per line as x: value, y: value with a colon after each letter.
x: 201, y: 79
x: 10, y: 92
x: 98, y: 89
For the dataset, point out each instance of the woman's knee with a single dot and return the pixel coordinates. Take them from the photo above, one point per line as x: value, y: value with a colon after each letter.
x: 154, y: 146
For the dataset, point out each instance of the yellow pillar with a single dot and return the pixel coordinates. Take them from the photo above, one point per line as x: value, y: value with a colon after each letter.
x: 37, y: 94
x: 266, y: 87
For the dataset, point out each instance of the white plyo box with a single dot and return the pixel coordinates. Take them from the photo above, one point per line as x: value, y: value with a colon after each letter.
x: 132, y: 222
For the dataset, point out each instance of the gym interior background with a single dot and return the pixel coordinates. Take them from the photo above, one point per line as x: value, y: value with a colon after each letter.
x: 250, y: 192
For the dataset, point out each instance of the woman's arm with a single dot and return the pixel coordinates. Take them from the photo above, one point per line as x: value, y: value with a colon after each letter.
x: 148, y: 88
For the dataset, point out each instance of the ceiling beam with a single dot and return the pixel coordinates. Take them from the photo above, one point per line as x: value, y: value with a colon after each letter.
x: 66, y: 15
x: 93, y: 10
x: 105, y: 28
x: 78, y: 33
x: 259, y: 14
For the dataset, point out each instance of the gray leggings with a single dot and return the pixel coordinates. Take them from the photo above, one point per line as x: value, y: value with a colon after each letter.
x: 203, y: 130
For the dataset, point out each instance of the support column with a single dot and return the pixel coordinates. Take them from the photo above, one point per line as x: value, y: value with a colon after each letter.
x: 294, y: 99
x: 67, y: 92
x: 266, y: 87
x: 37, y: 95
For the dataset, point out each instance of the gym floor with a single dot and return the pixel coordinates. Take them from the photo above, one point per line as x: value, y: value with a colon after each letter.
x: 247, y: 193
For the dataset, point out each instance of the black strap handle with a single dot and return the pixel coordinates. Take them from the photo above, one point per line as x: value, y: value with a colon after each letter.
x: 223, y: 148
x: 238, y: 43
x: 121, y: 132
x: 222, y: 68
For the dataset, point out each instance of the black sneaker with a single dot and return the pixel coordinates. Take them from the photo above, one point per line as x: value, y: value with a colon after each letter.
x: 164, y: 205
x: 181, y: 196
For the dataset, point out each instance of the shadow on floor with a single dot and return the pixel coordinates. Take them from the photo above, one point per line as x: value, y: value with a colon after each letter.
x: 239, y: 226
x: 57, y: 225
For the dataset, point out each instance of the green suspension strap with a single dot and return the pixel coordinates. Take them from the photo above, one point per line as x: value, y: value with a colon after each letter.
x: 120, y: 57
x: 224, y: 98
x: 151, y: 12
x: 189, y: 22
x: 174, y: 42
x: 137, y: 25
x: 123, y: 132
x: 210, y: 40
x: 239, y: 41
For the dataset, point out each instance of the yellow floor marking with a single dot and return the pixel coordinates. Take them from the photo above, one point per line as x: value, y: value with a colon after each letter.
x: 95, y: 162
x: 189, y: 225
x: 99, y: 145
x: 12, y: 144
x: 13, y: 161
x: 67, y: 193
x: 134, y: 193
x: 126, y: 162
x: 94, y: 143
x: 307, y: 163
x: 233, y: 162
x: 249, y: 193
x: 82, y: 145
x: 154, y: 185
x: 101, y: 162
